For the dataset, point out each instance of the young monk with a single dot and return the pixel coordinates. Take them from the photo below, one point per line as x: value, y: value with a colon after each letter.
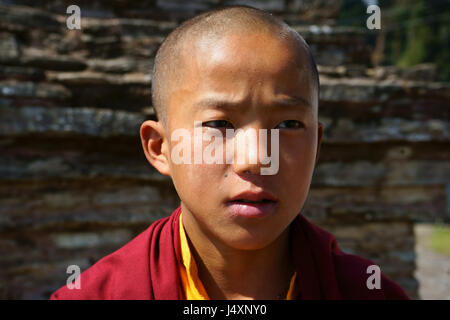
x: 238, y: 233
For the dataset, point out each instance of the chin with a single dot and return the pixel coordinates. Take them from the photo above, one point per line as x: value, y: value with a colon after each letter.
x: 249, y: 242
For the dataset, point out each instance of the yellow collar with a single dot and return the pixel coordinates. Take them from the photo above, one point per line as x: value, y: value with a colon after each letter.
x: 192, y: 285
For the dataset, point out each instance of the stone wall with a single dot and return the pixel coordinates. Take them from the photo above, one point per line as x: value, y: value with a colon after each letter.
x: 75, y: 185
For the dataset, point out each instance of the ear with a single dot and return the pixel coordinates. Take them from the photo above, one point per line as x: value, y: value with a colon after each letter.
x: 319, y: 139
x: 155, y: 146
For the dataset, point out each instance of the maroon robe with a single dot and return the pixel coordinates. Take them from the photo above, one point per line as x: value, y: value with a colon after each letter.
x: 147, y: 268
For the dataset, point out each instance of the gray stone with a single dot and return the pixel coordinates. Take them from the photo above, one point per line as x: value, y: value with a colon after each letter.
x: 19, y: 18
x: 127, y: 27
x: 97, y: 78
x: 186, y: 7
x: 120, y: 65
x: 96, y: 122
x: 323, y: 33
x: 21, y: 73
x: 315, y: 8
x: 31, y: 89
x: 9, y: 48
x: 129, y: 195
x: 347, y: 131
x: 55, y: 166
x: 91, y: 239
x: 364, y: 173
x: 268, y: 5
x: 50, y: 61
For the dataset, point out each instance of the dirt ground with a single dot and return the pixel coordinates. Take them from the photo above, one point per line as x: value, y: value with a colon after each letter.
x: 432, y: 268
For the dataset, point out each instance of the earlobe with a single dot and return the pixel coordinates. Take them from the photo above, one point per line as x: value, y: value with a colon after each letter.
x: 154, y: 145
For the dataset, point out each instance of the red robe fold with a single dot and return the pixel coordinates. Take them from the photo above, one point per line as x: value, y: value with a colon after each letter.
x: 146, y: 268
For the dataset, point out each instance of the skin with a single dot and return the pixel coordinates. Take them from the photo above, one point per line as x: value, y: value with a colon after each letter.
x: 271, y: 89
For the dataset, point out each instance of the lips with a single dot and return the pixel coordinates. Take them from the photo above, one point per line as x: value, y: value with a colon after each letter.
x: 252, y: 204
x: 250, y: 201
x: 253, y: 196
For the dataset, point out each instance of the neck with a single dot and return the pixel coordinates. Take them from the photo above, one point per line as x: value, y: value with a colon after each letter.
x: 230, y: 273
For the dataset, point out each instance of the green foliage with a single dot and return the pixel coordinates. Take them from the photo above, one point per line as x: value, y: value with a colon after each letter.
x: 416, y: 50
x: 440, y: 240
x: 418, y: 36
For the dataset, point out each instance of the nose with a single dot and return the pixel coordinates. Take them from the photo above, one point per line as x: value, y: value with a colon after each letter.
x: 247, y: 151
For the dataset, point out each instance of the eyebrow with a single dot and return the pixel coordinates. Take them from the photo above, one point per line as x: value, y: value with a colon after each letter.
x: 218, y: 103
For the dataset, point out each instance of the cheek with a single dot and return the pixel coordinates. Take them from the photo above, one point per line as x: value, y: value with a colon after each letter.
x: 297, y: 159
x: 195, y: 182
x: 300, y: 149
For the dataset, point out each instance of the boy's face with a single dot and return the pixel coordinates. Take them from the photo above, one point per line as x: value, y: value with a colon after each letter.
x: 245, y: 81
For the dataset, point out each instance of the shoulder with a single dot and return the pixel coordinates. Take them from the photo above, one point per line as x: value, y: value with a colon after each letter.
x: 121, y: 275
x: 354, y: 275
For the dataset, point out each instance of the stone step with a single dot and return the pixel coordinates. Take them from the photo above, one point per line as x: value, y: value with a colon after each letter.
x: 113, y: 37
x: 367, y: 90
x: 16, y: 121
x: 32, y: 89
x: 179, y: 9
x: 364, y: 97
x: 84, y: 121
x: 23, y: 18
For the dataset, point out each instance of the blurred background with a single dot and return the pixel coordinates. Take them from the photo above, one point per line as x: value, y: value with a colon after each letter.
x: 74, y: 182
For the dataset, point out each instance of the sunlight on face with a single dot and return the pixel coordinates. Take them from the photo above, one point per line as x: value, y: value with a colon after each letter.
x: 247, y: 81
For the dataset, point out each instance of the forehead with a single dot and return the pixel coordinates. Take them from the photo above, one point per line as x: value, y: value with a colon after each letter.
x: 242, y: 64
x: 254, y: 52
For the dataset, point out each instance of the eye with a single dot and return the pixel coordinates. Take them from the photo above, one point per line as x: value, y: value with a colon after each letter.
x: 290, y: 124
x: 218, y: 124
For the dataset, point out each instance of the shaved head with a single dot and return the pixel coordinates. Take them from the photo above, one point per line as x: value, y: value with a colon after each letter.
x: 210, y: 27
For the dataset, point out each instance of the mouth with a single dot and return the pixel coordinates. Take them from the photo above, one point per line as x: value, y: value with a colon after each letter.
x: 254, y: 196
x: 252, y: 204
